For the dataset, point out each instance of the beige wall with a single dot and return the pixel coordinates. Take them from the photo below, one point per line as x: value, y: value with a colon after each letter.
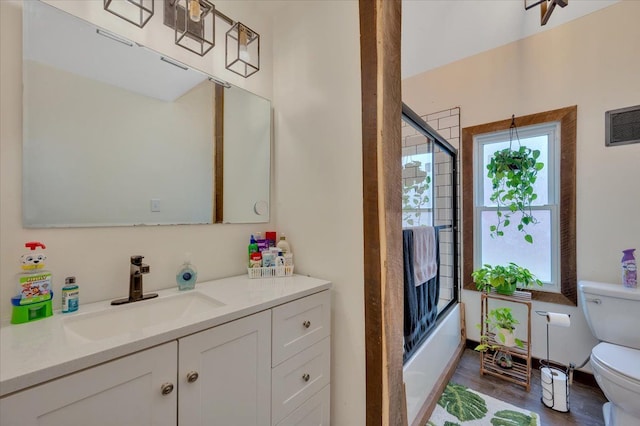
x: 593, y: 63
x: 318, y: 174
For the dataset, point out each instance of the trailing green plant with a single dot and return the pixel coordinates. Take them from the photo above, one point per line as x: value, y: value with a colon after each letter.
x: 497, y: 321
x: 414, y: 197
x: 504, y: 278
x: 513, y: 174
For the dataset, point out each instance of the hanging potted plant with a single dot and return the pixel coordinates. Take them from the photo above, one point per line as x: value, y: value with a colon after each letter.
x: 505, y: 279
x: 513, y: 174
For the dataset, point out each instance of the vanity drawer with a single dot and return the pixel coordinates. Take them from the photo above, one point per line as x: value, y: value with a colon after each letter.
x: 297, y: 379
x: 300, y: 324
x: 313, y: 412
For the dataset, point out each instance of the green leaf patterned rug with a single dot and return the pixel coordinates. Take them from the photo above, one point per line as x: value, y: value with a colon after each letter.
x: 461, y: 406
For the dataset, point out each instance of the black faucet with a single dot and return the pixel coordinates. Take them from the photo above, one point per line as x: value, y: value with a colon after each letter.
x: 136, y: 270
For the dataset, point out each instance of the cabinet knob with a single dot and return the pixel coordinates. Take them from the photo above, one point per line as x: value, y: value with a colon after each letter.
x: 192, y: 376
x: 306, y: 377
x: 166, y: 388
x: 306, y: 324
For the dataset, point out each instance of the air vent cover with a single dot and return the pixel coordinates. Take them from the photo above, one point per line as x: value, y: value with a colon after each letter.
x: 622, y: 126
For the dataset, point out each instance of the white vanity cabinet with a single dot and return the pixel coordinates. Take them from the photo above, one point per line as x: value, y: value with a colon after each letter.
x: 268, y: 368
x: 220, y: 376
x: 127, y: 391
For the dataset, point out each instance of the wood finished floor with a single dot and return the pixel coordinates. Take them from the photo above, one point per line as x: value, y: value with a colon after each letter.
x: 585, y: 400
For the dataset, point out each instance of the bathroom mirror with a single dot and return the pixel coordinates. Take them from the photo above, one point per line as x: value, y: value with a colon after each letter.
x: 116, y: 134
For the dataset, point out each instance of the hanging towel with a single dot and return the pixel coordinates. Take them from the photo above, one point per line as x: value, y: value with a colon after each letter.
x: 425, y: 264
x: 420, y: 301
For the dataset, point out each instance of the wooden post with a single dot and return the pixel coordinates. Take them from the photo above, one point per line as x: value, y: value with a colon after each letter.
x: 382, y: 176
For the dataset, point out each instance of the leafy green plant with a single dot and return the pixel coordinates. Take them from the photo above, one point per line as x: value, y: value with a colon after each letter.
x: 505, y: 279
x: 513, y: 174
x: 498, y: 321
x: 415, y: 196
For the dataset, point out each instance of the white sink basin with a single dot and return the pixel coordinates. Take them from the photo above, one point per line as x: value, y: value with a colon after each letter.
x: 135, y: 317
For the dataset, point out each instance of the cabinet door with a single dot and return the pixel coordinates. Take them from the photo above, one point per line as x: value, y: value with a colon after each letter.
x: 233, y: 367
x: 124, y: 392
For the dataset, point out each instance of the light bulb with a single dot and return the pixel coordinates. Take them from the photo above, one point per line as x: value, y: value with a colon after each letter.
x: 243, y: 54
x: 194, y: 10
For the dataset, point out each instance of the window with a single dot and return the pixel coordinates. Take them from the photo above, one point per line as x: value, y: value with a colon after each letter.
x: 552, y: 256
x: 417, y: 188
x: 541, y: 256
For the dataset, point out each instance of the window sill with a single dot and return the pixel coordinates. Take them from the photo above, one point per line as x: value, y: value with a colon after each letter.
x: 541, y: 296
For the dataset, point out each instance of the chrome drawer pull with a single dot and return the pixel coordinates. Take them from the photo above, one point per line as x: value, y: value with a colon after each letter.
x: 166, y: 388
x: 306, y: 377
x: 192, y: 376
x: 596, y: 301
x: 306, y: 324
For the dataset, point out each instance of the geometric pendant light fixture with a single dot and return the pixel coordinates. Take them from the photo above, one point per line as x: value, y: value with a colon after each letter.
x: 194, y: 24
x: 242, y: 46
x: 546, y: 7
x: 137, y: 12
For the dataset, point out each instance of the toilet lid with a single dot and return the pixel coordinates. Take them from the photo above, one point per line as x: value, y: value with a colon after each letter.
x: 623, y: 360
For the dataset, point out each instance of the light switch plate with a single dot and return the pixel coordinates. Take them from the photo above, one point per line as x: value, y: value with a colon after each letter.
x: 155, y: 205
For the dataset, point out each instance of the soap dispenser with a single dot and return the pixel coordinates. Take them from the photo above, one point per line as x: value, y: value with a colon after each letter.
x: 33, y: 301
x: 187, y: 275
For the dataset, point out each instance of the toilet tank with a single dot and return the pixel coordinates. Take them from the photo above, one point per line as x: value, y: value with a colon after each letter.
x: 612, y: 312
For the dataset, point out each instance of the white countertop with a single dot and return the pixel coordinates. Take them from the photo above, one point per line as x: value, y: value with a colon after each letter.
x: 42, y: 350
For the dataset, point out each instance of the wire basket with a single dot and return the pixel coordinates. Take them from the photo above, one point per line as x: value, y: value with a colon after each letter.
x: 271, y: 272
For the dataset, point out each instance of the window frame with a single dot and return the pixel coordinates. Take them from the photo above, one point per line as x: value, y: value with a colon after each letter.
x: 552, y: 131
x: 567, y: 117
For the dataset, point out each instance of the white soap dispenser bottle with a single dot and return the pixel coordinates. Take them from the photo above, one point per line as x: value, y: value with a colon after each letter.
x: 187, y: 274
x: 283, y: 244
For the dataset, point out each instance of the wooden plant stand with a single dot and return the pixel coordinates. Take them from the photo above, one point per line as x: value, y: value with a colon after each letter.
x: 520, y: 373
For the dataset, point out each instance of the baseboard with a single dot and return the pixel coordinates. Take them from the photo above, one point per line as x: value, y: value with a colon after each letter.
x: 578, y: 375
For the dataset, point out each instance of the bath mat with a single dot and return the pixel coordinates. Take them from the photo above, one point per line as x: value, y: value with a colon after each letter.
x: 461, y: 406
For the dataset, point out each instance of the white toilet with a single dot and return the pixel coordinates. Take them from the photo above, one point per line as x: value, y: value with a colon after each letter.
x: 613, y: 314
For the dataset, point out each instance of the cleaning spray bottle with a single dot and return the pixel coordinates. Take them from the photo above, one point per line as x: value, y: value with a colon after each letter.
x: 33, y: 301
x: 629, y: 269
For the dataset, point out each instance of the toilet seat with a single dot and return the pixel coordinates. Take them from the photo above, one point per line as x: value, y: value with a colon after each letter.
x: 619, y: 359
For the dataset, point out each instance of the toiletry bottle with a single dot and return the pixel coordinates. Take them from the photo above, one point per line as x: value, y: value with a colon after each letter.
x: 253, y: 246
x: 263, y: 244
x: 256, y: 260
x: 33, y: 301
x: 629, y: 269
x: 283, y: 244
x: 271, y: 238
x: 34, y: 282
x: 70, y: 295
x: 187, y: 275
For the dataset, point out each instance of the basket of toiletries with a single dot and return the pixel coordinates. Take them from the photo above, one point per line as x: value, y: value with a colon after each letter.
x: 270, y: 272
x: 268, y: 259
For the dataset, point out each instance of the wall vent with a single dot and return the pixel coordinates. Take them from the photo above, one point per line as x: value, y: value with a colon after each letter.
x: 622, y: 126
